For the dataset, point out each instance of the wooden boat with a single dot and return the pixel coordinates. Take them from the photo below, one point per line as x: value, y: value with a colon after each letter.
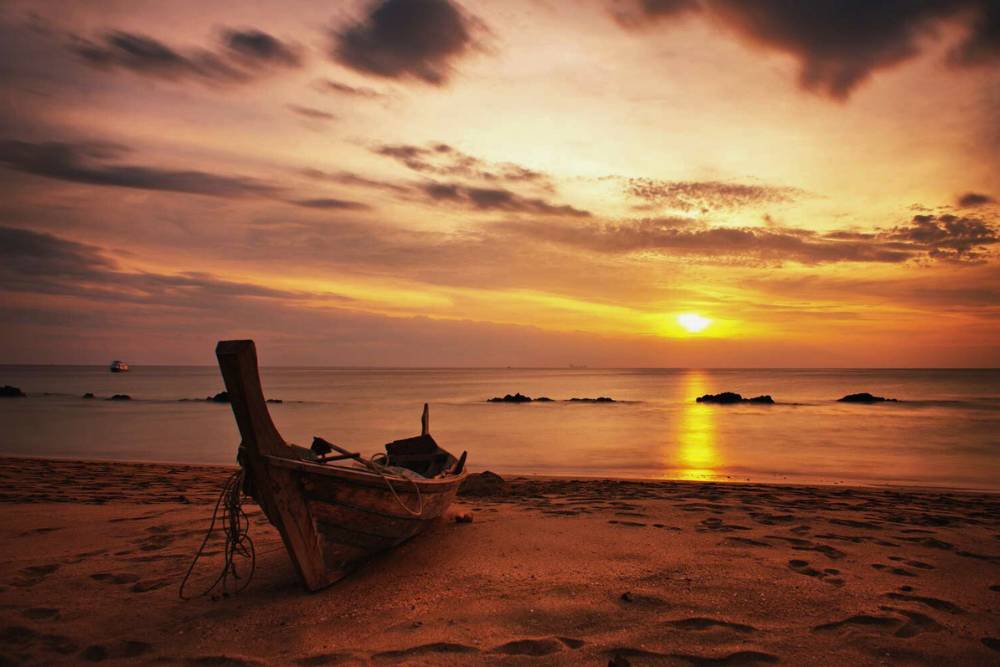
x: 118, y: 366
x: 331, y: 517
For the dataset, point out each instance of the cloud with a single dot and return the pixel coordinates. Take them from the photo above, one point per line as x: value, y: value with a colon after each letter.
x: 948, y: 236
x: 36, y: 262
x: 496, y: 199
x: 839, y: 44
x: 242, y: 56
x: 329, y: 203
x: 925, y: 237
x: 445, y: 160
x: 338, y: 88
x: 256, y: 46
x: 706, y: 195
x: 310, y: 113
x: 419, y: 39
x: 973, y: 199
x: 91, y: 163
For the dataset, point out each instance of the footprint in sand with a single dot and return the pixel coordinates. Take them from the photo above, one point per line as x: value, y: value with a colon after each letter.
x: 828, y: 575
x: 34, y: 574
x: 912, y: 624
x: 620, y: 656
x: 437, y: 648
x: 117, y: 579
x: 40, y: 613
x: 336, y: 658
x: 898, y: 571
x: 701, y: 623
x: 538, y: 647
x: 718, y: 526
x: 933, y: 603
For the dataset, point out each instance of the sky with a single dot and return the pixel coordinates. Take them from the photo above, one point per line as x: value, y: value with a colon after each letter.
x: 502, y: 182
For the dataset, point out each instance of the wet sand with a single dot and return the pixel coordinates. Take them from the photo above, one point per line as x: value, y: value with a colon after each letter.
x: 551, y: 572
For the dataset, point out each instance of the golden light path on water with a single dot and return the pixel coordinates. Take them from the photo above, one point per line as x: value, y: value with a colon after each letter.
x: 695, y: 456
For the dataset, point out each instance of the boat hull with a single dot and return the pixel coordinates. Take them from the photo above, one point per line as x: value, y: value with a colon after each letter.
x: 355, y: 514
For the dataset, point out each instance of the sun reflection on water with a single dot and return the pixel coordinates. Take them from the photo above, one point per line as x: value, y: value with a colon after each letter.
x: 696, y: 456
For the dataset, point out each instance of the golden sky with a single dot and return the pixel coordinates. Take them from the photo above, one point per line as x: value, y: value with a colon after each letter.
x: 423, y: 182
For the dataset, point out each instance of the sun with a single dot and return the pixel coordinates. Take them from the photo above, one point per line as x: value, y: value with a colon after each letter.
x: 693, y: 322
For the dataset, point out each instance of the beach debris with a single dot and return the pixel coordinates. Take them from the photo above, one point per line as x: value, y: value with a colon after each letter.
x: 485, y: 483
x: 730, y: 397
x: 120, y: 397
x: 463, y: 517
x: 89, y: 394
x: 619, y: 661
x: 8, y: 391
x: 274, y: 400
x: 599, y: 399
x: 865, y: 397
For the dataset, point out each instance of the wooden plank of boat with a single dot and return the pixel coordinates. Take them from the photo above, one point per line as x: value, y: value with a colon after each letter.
x: 330, y: 517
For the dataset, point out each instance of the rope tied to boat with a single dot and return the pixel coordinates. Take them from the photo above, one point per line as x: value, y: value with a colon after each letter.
x: 235, y: 525
x: 379, y: 467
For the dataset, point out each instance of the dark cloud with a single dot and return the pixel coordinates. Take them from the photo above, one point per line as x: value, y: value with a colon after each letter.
x: 407, y: 38
x: 355, y: 180
x: 37, y: 262
x: 496, y: 199
x: 254, y: 45
x: 840, y: 43
x: 444, y: 160
x: 331, y: 86
x: 944, y: 237
x: 92, y: 164
x: 331, y: 204
x: 244, y: 55
x: 973, y: 199
x: 948, y: 236
x: 706, y: 195
x: 310, y: 113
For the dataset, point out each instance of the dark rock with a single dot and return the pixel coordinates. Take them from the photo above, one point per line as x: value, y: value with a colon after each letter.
x: 483, y: 484
x: 729, y: 397
x: 8, y: 391
x: 543, y: 399
x: 221, y: 397
x: 120, y: 397
x: 516, y: 398
x: 89, y: 394
x: 865, y: 397
x: 626, y: 596
x: 725, y: 398
x: 619, y: 661
x: 599, y: 399
x: 464, y: 517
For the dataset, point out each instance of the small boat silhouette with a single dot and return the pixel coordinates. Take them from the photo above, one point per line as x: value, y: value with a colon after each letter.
x: 119, y: 366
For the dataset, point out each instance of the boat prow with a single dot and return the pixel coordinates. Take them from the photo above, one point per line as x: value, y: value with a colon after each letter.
x: 332, y: 516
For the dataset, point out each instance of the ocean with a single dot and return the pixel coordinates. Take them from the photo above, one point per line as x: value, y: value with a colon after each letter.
x: 944, y: 432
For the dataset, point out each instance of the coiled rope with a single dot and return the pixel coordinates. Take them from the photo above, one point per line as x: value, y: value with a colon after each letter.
x: 239, y: 546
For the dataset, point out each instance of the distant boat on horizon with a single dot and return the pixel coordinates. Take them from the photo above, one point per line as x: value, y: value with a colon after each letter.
x: 119, y: 366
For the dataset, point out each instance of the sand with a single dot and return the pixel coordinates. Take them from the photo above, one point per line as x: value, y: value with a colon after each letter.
x: 553, y: 572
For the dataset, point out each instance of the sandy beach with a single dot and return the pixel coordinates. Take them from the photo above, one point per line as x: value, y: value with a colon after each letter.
x: 550, y: 571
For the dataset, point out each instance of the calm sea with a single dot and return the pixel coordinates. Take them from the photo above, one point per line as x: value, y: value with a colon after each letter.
x: 944, y: 432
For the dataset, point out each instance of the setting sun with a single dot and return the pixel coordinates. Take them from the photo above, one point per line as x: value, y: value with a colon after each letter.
x: 692, y: 322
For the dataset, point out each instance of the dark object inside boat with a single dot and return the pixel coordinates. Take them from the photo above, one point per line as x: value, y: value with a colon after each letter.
x: 420, y: 454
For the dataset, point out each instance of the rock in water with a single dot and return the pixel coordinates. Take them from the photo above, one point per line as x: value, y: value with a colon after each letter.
x: 120, y: 397
x: 8, y: 391
x: 724, y: 398
x: 516, y: 398
x: 89, y: 394
x: 599, y: 399
x: 865, y: 397
x: 483, y: 484
x: 729, y: 397
x: 221, y: 397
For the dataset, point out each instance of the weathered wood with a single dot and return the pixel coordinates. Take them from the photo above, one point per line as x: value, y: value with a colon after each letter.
x: 278, y: 489
x: 329, y: 517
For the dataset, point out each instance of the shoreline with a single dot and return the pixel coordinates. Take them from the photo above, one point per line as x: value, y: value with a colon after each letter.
x: 885, y: 486
x: 550, y: 571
